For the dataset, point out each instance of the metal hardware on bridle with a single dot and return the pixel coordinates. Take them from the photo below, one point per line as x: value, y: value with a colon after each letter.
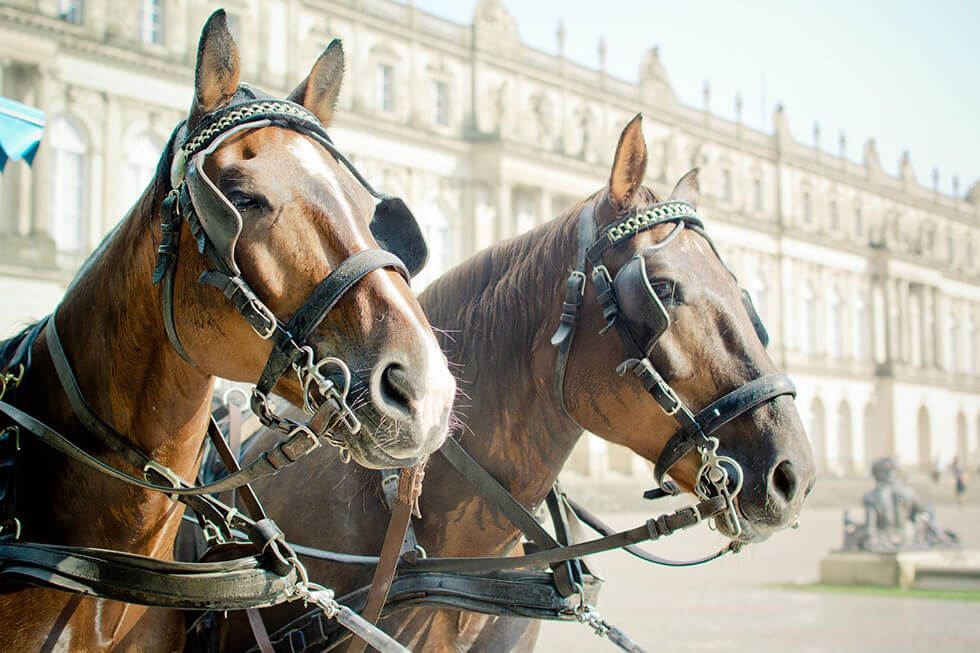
x: 216, y: 225
x: 630, y: 305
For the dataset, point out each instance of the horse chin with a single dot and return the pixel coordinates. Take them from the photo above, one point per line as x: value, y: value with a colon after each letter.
x: 370, y: 455
x: 750, y: 532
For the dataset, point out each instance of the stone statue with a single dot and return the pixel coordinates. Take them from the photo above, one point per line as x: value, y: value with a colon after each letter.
x: 894, y: 519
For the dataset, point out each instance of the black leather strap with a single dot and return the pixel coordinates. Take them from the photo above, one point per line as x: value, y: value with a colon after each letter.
x: 323, y: 298
x: 734, y: 404
x: 228, y: 585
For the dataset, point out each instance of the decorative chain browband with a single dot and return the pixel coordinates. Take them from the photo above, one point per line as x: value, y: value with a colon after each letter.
x: 649, y: 217
x: 240, y: 113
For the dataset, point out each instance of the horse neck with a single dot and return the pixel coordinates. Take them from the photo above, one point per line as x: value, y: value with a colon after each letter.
x: 111, y: 328
x: 494, y: 309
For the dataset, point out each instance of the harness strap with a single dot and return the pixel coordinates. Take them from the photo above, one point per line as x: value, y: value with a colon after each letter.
x: 497, y: 494
x: 323, y: 298
x: 653, y: 529
x: 734, y: 404
x: 227, y: 585
x: 409, y: 487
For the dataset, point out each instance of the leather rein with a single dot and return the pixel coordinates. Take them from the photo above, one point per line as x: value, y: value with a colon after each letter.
x: 275, y: 575
x: 567, y: 591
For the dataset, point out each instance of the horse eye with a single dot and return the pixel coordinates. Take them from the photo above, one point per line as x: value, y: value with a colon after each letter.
x: 243, y: 201
x: 667, y: 291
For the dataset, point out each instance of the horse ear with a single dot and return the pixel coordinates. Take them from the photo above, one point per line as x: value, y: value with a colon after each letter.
x: 319, y: 91
x: 218, y: 67
x: 688, y: 189
x: 630, y: 164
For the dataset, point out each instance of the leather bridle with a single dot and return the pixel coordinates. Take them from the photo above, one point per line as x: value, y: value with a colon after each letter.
x: 216, y: 225
x: 718, y: 475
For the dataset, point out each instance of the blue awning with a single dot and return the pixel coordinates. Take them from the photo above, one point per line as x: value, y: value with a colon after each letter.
x: 21, y: 127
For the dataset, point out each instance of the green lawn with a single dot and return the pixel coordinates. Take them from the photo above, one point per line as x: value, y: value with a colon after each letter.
x: 969, y: 596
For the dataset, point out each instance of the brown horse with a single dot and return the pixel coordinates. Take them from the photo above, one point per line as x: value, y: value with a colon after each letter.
x: 304, y: 214
x: 497, y: 311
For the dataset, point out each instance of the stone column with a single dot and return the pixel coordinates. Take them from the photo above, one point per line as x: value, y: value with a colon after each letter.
x: 545, y: 210
x: 904, y: 315
x: 36, y: 216
x: 505, y: 210
x: 894, y: 336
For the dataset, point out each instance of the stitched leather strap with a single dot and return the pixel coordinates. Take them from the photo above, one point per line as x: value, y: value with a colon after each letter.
x: 408, y: 488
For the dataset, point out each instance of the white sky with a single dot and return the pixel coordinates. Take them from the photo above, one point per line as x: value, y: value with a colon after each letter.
x: 904, y: 73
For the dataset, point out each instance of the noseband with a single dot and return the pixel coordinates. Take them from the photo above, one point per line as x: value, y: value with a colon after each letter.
x: 216, y: 225
x: 630, y: 305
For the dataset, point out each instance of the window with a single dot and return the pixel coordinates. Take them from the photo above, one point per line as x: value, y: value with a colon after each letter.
x: 70, y: 11
x: 863, y: 328
x: 834, y: 216
x: 151, y: 21
x: 757, y: 194
x: 142, y: 154
x: 836, y: 344
x: 807, y: 209
x: 952, y: 343
x: 858, y: 222
x: 385, y: 88
x: 66, y: 205
x: 726, y: 185
x: 808, y: 328
x: 440, y: 92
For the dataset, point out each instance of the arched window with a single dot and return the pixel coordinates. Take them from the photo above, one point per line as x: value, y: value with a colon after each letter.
x: 915, y: 328
x: 385, y: 87
x: 834, y: 216
x: 142, y: 153
x: 436, y: 226
x: 807, y: 208
x: 67, y: 214
x: 70, y: 11
x: 872, y: 449
x: 808, y: 326
x: 858, y: 222
x: 818, y: 434
x: 970, y: 346
x: 151, y: 21
x: 837, y: 323
x: 440, y: 98
x: 952, y: 343
x: 726, y: 185
x: 862, y: 328
x: 757, y: 194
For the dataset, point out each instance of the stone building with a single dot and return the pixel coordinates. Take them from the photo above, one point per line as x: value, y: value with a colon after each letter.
x: 869, y: 283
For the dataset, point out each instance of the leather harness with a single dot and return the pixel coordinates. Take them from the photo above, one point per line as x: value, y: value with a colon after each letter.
x: 275, y: 575
x: 488, y: 585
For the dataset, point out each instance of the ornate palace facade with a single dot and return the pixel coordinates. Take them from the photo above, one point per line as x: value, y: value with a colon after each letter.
x: 869, y: 283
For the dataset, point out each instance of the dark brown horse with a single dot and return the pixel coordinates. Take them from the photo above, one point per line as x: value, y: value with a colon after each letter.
x: 304, y: 214
x: 498, y: 311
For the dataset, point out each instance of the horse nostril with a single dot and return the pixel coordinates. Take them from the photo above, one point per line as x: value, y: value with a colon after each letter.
x: 783, y: 481
x: 396, y: 387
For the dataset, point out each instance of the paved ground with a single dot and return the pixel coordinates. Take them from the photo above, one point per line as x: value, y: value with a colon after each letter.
x: 727, y: 606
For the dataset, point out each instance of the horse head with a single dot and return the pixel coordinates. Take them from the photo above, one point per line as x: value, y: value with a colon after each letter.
x: 693, y: 337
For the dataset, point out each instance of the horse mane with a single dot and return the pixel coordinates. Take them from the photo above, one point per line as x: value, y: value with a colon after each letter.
x: 496, y: 290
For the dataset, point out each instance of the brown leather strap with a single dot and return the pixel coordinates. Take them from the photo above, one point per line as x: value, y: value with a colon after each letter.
x: 409, y: 489
x: 259, y: 631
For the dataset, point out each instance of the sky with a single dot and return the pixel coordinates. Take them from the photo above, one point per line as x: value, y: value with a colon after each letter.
x: 906, y: 74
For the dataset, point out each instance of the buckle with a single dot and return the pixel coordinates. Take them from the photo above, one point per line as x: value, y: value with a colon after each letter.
x: 12, y: 524
x: 603, y: 270
x: 578, y: 274
x: 165, y: 473
x: 10, y: 380
x: 262, y: 311
x: 301, y: 431
x: 670, y: 394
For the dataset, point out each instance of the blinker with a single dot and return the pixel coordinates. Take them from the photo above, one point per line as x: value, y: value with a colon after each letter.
x: 396, y: 230
x: 639, y: 305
